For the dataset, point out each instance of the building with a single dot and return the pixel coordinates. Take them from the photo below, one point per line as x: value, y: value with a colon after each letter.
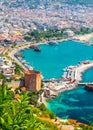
x: 68, y: 33
x: 32, y: 80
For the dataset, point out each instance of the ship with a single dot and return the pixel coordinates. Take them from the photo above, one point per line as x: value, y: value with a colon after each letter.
x: 53, y: 43
x: 89, y: 87
x: 35, y: 47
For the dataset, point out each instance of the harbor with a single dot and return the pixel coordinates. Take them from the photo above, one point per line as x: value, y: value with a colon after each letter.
x: 67, y: 69
x: 71, y: 78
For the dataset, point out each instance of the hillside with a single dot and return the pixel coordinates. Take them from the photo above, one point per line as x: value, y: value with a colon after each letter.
x: 20, y: 111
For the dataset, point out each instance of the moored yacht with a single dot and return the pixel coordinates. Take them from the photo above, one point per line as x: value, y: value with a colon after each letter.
x: 89, y: 87
x: 35, y: 47
x: 53, y: 43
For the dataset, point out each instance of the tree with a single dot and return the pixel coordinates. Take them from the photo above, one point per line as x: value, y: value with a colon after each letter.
x: 33, y: 99
x: 27, y: 38
x: 17, y: 114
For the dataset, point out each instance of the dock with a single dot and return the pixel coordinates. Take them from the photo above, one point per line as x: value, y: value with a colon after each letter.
x: 84, y: 83
x: 71, y: 78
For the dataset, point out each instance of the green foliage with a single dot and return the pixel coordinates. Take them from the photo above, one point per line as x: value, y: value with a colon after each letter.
x: 42, y: 107
x: 36, y: 111
x: 33, y: 98
x: 52, y: 115
x: 39, y: 35
x: 19, y: 114
x: 2, y: 76
x: 83, y: 31
x: 49, y: 126
x: 27, y: 38
x: 46, y: 112
x: 42, y: 84
x: 18, y: 69
x: 86, y: 127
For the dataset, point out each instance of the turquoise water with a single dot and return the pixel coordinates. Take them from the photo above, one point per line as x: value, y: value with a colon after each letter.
x: 88, y: 75
x: 53, y: 59
x: 78, y: 103
x: 91, y: 41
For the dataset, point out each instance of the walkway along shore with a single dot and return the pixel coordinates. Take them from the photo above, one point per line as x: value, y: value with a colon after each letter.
x: 12, y: 55
x: 77, y: 38
x: 26, y: 46
x: 16, y: 50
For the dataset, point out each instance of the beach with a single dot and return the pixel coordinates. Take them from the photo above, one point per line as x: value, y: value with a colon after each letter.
x: 83, y: 38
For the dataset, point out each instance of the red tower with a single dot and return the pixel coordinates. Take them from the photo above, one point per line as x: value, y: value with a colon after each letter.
x: 32, y: 80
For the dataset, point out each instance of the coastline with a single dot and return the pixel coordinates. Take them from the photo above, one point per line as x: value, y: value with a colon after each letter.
x: 14, y: 51
x: 81, y: 68
x: 26, y: 46
x: 70, y: 81
x: 84, y: 38
x: 78, y: 38
x: 79, y: 71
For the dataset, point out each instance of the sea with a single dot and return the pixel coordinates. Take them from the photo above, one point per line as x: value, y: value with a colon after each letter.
x: 51, y: 61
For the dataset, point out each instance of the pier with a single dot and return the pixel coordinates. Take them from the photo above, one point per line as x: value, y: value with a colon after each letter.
x: 84, y: 83
x: 71, y: 78
x: 52, y: 80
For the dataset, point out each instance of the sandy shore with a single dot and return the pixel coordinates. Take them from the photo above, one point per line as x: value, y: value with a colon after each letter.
x: 83, y: 38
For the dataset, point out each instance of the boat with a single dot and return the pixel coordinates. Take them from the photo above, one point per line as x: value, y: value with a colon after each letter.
x: 37, y: 49
x: 53, y: 43
x: 33, y: 46
x: 89, y: 87
x: 23, y: 61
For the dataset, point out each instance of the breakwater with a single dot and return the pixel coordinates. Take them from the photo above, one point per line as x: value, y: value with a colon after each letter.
x: 71, y: 77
